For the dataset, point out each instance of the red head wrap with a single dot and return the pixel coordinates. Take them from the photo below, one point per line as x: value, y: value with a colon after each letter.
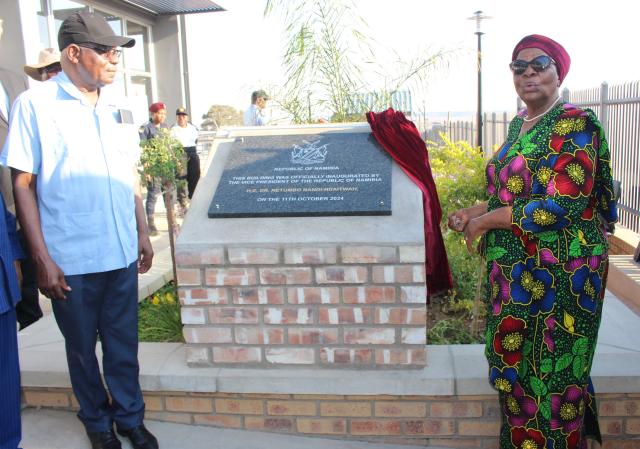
x: 550, y: 47
x: 155, y: 107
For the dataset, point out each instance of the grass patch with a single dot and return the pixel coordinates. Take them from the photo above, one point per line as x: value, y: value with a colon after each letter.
x: 159, y: 317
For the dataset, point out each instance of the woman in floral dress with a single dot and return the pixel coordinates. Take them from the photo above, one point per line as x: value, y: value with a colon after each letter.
x: 549, y: 188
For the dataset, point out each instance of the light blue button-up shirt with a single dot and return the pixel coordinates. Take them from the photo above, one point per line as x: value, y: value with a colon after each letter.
x: 84, y: 159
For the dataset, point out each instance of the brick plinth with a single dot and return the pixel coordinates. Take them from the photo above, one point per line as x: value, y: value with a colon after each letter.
x: 326, y: 306
x: 442, y: 421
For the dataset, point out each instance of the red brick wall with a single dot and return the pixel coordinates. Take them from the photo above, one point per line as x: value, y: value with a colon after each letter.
x: 446, y: 421
x: 332, y: 306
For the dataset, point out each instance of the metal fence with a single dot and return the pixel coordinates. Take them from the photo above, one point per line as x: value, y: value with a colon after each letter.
x: 617, y: 108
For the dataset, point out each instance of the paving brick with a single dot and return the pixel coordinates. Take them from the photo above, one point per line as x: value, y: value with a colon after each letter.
x: 233, y: 315
x: 277, y: 315
x: 188, y: 404
x: 322, y: 426
x: 290, y: 356
x: 46, y: 398
x: 413, y: 294
x: 414, y: 336
x: 310, y: 255
x: 230, y: 276
x: 189, y: 276
x: 203, y: 296
x: 632, y: 426
x: 410, y: 254
x: 192, y: 315
x: 153, y: 403
x: 257, y: 295
x: 236, y: 355
x: 344, y: 315
x: 239, y: 406
x: 341, y: 275
x: 313, y: 295
x: 475, y: 428
x: 178, y: 418
x: 369, y: 336
x: 459, y: 443
x: 269, y: 424
x: 285, y: 276
x: 259, y: 336
x: 611, y: 426
x: 369, y: 254
x: 398, y: 274
x: 253, y: 256
x: 313, y: 336
x: 345, y: 409
x: 400, y: 409
x: 376, y: 427
x: 198, y: 355
x: 207, y: 334
x: 291, y: 408
x: 401, y: 315
x: 369, y: 295
x: 232, y: 422
x: 342, y: 356
x: 464, y: 409
x: 619, y: 408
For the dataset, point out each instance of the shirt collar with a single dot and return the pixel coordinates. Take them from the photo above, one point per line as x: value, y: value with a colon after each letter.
x: 65, y: 84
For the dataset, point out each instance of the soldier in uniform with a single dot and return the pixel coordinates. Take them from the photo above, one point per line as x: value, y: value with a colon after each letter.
x: 154, y: 186
x: 187, y: 134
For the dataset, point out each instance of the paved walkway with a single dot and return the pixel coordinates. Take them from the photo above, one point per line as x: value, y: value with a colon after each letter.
x: 48, y: 429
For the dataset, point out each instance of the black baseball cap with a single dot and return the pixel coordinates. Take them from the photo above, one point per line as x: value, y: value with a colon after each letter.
x: 181, y: 111
x: 88, y: 28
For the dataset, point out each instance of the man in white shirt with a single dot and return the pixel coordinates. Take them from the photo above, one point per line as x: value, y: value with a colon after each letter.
x: 254, y: 116
x: 187, y: 134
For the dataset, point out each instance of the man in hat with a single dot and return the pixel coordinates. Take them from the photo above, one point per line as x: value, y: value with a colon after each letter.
x: 47, y: 67
x: 149, y: 131
x: 254, y: 116
x: 72, y: 150
x: 187, y: 134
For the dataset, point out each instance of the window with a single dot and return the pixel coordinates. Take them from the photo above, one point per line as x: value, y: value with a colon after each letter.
x: 64, y: 8
x: 137, y: 57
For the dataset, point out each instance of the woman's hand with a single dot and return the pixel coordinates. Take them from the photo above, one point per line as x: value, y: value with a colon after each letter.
x: 458, y: 220
x: 471, y: 232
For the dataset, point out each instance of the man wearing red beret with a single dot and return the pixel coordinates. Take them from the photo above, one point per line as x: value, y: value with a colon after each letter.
x: 149, y: 131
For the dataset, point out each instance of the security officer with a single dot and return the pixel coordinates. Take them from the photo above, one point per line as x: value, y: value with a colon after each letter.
x: 154, y: 186
x: 187, y: 134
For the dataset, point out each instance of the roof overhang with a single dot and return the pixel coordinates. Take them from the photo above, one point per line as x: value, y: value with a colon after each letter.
x: 173, y: 7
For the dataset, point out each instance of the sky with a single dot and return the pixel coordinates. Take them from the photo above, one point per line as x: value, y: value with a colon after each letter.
x: 234, y: 52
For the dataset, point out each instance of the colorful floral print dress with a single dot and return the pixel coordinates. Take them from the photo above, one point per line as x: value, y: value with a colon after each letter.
x: 546, y: 277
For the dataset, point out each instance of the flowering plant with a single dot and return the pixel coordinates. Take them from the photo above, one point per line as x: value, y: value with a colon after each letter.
x: 162, y: 157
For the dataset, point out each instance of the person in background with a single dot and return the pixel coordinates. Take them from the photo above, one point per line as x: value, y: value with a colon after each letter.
x: 254, y: 115
x: 154, y: 186
x: 47, y: 67
x: 548, y: 186
x: 187, y: 134
x: 72, y: 151
x: 10, y: 250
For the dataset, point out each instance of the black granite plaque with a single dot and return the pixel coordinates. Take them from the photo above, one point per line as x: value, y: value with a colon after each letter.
x: 304, y: 175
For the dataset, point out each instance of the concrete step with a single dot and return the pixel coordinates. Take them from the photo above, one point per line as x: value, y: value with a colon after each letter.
x: 50, y: 429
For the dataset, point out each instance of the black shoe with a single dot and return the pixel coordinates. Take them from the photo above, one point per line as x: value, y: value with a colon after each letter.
x: 140, y: 437
x: 104, y: 440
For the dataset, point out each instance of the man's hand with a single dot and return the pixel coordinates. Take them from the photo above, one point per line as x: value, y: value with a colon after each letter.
x: 18, y: 268
x: 145, y: 253
x: 51, y: 281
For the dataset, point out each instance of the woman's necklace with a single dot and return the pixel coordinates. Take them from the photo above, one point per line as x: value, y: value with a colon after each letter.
x: 530, y: 119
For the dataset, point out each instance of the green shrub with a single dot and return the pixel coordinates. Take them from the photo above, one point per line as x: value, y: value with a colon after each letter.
x: 159, y: 317
x: 451, y: 331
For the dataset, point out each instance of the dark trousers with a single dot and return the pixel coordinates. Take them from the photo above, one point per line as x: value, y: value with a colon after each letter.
x: 104, y: 304
x: 193, y: 170
x: 154, y: 187
x: 10, y: 427
x: 28, y: 309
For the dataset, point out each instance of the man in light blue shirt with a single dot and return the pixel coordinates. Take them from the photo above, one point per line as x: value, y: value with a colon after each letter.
x: 72, y: 149
x: 254, y: 115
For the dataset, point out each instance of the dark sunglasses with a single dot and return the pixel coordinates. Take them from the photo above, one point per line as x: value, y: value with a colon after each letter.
x: 109, y: 52
x: 539, y: 64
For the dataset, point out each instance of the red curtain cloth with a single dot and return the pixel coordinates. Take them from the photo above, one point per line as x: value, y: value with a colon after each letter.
x: 401, y: 139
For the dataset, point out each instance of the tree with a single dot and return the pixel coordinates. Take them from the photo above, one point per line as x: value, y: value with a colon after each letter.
x: 163, y: 158
x: 224, y: 115
x: 325, y: 53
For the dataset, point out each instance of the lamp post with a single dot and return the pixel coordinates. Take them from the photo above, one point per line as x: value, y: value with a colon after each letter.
x: 478, y: 17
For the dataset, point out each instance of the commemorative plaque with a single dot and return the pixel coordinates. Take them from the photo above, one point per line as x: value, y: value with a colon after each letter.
x: 304, y: 175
